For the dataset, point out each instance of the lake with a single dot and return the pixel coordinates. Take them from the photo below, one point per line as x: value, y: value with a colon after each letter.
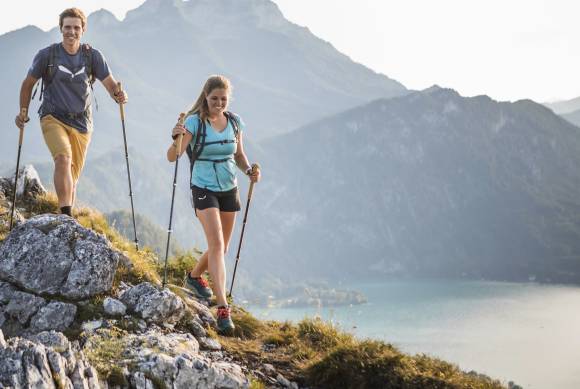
x: 527, y: 333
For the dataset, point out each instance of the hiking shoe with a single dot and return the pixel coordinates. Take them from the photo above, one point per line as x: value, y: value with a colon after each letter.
x: 199, y: 287
x: 225, y: 324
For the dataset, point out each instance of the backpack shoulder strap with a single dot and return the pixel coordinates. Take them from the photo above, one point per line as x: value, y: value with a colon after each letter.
x: 195, y: 147
x: 49, y: 71
x: 235, y: 120
x: 51, y: 64
x: 88, y: 60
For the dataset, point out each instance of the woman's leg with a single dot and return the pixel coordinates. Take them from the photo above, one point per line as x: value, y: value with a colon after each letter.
x: 212, y: 227
x: 228, y: 220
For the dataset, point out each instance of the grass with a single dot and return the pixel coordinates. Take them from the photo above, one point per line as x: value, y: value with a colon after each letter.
x: 317, y: 353
x: 104, y: 349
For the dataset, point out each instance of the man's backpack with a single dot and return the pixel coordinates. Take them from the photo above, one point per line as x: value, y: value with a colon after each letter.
x: 50, y: 70
x: 195, y: 147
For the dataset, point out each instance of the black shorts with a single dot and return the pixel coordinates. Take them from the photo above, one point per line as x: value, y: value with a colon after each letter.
x: 228, y: 201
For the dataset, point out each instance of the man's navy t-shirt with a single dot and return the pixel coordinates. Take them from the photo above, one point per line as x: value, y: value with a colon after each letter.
x: 69, y: 91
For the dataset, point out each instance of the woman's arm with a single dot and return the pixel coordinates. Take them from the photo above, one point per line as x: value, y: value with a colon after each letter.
x: 172, y: 153
x: 242, y: 161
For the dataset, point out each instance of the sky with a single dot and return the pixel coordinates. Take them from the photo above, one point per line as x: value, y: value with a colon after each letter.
x: 507, y: 49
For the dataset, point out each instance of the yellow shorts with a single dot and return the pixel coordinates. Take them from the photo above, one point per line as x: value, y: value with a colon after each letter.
x: 63, y: 139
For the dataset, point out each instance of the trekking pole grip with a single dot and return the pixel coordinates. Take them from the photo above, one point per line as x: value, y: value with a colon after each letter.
x: 121, y: 104
x: 255, y: 166
x: 180, y: 137
x: 23, y: 114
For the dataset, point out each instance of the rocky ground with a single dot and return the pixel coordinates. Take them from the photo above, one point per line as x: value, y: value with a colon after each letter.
x: 66, y: 323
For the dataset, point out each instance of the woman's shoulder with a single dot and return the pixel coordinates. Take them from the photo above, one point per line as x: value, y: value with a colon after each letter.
x: 192, y: 122
x: 237, y: 119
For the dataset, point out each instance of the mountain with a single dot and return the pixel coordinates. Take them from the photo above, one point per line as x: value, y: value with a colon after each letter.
x: 564, y: 106
x: 283, y: 75
x: 573, y: 117
x: 428, y: 184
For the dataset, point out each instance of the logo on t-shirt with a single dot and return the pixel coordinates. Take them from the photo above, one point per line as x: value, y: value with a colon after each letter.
x: 72, y: 75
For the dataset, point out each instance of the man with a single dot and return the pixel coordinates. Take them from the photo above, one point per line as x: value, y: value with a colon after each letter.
x: 67, y: 70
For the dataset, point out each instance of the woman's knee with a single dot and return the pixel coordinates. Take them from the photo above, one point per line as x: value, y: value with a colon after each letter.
x: 216, y: 244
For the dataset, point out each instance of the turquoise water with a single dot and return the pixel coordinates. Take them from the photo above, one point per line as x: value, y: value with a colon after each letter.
x: 527, y: 333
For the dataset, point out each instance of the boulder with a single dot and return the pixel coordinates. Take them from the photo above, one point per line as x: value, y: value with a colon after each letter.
x: 56, y: 256
x: 46, y: 360
x: 114, y: 307
x: 29, y: 184
x: 55, y: 315
x: 154, y: 305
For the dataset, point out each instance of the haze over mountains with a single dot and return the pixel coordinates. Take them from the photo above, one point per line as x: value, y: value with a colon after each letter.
x: 163, y: 51
x: 426, y: 183
x: 568, y: 109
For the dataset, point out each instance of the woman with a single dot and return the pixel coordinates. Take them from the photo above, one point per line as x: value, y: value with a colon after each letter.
x: 213, y: 184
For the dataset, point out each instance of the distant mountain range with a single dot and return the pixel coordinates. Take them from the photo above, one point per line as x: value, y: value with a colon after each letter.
x: 568, y: 109
x: 283, y: 75
x: 430, y: 184
x: 564, y: 106
x: 573, y: 117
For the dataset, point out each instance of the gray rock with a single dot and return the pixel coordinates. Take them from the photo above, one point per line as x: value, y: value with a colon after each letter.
x: 196, y: 329
x: 53, y: 339
x: 208, y: 343
x: 132, y: 295
x: 54, y: 255
x: 23, y: 306
x: 6, y: 291
x: 55, y: 315
x: 93, y: 325
x: 269, y: 369
x: 174, y: 360
x: 2, y: 341
x: 29, y: 184
x: 139, y: 381
x: 283, y: 381
x: 153, y: 305
x: 114, y: 307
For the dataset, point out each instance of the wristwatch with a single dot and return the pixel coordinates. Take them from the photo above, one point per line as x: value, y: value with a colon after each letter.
x: 249, y: 171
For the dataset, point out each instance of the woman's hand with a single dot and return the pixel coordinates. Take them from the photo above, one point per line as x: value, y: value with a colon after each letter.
x: 255, y: 174
x: 179, y: 129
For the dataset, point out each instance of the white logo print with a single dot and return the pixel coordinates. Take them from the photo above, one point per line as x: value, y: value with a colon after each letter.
x: 202, y: 198
x: 72, y: 75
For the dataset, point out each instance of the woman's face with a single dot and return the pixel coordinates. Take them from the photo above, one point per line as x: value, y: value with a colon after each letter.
x: 217, y: 101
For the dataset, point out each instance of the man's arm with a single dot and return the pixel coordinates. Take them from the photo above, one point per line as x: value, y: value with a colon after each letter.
x: 25, y: 94
x: 114, y: 89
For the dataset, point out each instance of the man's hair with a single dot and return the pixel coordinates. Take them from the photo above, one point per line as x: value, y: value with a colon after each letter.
x: 73, y: 13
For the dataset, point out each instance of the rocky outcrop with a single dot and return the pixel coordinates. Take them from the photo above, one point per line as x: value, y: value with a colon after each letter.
x: 29, y: 184
x: 172, y: 359
x: 56, y: 275
x: 154, y: 305
x: 47, y: 360
x: 54, y: 255
x: 22, y: 312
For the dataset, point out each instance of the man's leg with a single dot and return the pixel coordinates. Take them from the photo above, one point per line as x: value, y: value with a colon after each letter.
x: 63, y: 181
x: 57, y: 139
x: 79, y: 144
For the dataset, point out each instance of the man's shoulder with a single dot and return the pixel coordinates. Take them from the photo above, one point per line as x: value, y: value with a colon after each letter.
x: 46, y: 50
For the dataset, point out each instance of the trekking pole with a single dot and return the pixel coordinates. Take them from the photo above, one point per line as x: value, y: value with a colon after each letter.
x: 121, y: 107
x: 177, y: 150
x: 23, y: 113
x: 250, y: 191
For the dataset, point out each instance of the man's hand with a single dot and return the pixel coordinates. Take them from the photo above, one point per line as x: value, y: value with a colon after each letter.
x: 21, y: 120
x: 120, y: 96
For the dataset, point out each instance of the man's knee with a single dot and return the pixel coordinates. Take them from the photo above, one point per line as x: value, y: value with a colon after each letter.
x: 62, y: 160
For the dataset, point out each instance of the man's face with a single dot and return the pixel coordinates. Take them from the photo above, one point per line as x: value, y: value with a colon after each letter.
x: 72, y: 30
